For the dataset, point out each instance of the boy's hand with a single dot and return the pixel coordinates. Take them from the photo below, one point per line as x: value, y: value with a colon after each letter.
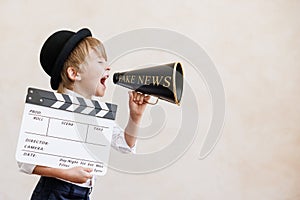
x: 137, y: 105
x: 78, y: 174
x: 75, y: 174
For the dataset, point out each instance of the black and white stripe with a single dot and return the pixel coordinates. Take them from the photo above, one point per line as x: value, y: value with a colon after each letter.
x: 71, y: 103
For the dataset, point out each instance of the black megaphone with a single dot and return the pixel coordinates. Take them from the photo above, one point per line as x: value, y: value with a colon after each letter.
x: 163, y: 81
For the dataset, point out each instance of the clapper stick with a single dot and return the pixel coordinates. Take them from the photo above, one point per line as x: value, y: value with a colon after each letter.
x: 71, y: 103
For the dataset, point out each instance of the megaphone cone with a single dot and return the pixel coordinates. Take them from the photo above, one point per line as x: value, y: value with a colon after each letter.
x: 163, y: 81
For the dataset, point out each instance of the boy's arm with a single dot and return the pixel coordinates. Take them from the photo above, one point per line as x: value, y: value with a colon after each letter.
x: 131, y: 131
x: 137, y: 105
x: 74, y: 174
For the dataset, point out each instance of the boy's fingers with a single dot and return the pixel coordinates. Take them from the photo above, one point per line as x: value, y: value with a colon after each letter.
x: 134, y: 95
x: 147, y: 97
x: 89, y: 176
x: 139, y: 97
x: 130, y: 95
x: 88, y: 170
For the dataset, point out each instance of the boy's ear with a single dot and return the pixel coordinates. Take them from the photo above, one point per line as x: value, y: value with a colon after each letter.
x: 73, y: 74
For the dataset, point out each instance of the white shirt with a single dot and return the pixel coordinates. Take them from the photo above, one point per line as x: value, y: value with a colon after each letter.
x: 118, y: 142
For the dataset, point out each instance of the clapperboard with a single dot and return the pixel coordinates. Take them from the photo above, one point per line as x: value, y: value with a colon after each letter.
x: 64, y: 131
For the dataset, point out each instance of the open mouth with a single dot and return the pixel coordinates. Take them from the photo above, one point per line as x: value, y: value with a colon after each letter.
x: 102, y: 80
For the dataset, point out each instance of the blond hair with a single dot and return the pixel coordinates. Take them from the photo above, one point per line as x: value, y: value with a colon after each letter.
x: 77, y: 57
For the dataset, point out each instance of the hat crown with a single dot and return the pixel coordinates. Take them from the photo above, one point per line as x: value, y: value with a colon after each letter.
x: 52, y: 49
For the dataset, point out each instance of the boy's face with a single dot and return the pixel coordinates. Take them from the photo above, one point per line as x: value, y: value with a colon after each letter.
x: 93, y: 74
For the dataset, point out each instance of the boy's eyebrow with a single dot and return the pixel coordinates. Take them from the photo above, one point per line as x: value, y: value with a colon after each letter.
x: 101, y: 57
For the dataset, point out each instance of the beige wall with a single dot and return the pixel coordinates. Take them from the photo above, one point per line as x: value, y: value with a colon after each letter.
x: 255, y: 46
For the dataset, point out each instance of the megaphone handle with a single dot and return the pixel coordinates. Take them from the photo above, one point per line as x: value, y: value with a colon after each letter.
x: 153, y: 103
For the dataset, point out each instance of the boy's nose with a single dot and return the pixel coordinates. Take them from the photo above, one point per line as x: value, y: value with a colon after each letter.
x: 107, y: 68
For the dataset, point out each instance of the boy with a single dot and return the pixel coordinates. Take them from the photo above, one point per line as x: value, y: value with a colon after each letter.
x: 76, y: 64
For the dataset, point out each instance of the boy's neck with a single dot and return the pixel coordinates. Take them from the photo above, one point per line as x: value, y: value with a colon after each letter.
x: 72, y: 92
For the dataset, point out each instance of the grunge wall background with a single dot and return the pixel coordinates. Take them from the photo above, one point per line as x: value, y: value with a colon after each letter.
x: 255, y: 46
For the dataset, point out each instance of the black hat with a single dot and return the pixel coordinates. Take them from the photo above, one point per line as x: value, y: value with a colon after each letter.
x: 56, y: 50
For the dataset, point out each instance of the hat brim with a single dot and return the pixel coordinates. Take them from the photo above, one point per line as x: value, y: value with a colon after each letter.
x: 65, y: 52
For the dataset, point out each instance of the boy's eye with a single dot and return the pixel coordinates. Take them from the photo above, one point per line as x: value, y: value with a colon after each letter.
x: 102, y: 62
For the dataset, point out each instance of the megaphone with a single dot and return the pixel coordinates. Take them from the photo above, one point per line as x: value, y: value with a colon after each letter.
x: 163, y: 81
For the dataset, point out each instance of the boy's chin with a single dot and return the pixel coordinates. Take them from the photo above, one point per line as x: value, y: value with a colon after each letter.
x: 100, y: 94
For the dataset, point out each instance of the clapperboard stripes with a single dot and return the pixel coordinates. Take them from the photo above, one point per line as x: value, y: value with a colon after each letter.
x: 71, y: 103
